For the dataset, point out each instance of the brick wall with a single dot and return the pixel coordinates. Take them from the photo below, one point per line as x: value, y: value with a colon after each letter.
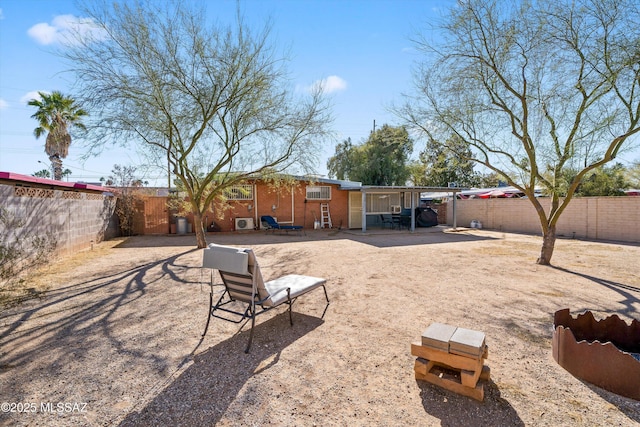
x: 286, y: 203
x: 74, y: 219
x: 602, y: 218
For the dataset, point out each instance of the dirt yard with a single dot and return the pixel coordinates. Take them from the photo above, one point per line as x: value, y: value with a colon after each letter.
x: 116, y: 339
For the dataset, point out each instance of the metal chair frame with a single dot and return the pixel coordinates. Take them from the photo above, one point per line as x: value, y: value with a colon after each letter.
x: 255, y: 306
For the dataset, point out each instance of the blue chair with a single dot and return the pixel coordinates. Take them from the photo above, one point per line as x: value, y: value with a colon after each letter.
x: 270, y: 224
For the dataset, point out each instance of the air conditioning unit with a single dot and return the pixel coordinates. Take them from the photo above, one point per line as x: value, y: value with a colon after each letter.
x: 395, y: 209
x: 263, y: 227
x: 244, y: 223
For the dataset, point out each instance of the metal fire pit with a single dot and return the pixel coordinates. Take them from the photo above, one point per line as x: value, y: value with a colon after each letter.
x: 602, y: 352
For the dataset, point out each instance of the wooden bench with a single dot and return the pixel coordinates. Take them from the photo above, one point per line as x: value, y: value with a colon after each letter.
x: 452, y: 358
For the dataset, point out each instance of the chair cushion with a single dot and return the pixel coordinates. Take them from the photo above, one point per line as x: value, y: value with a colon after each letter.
x: 297, y: 283
x: 254, y: 270
x: 226, y: 258
x: 239, y: 268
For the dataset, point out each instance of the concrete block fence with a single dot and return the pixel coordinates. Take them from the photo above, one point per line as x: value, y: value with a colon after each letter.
x: 71, y: 220
x: 596, y: 218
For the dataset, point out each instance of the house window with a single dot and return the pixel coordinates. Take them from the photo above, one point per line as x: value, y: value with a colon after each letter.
x: 319, y: 193
x: 407, y: 200
x: 382, y: 203
x: 239, y: 192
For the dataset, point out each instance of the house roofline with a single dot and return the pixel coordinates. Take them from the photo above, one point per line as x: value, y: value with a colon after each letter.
x: 314, y: 178
x: 342, y: 183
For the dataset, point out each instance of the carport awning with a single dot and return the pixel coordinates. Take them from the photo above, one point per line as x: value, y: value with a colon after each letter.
x: 402, y: 188
x: 369, y: 189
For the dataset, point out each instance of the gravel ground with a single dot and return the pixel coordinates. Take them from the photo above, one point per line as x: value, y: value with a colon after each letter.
x: 116, y: 339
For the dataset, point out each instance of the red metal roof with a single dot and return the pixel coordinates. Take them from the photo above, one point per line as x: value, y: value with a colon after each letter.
x: 16, y: 177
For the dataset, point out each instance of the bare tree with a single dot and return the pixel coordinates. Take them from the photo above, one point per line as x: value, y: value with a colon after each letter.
x: 534, y: 88
x: 213, y: 103
x: 128, y: 198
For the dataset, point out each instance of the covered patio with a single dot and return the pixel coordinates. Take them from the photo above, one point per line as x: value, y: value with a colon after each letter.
x: 408, y: 198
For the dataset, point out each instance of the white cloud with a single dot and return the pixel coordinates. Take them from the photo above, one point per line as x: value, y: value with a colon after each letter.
x: 31, y: 95
x: 329, y: 85
x: 3, y: 104
x: 1, y: 14
x: 64, y: 29
x: 43, y: 33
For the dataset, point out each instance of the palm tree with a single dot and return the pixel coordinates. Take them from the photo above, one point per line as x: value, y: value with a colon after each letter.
x: 56, y: 113
x: 44, y: 173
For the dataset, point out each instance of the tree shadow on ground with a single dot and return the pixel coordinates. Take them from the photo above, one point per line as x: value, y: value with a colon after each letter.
x: 157, y: 240
x: 49, y: 340
x: 403, y: 239
x: 630, y: 294
x: 66, y: 324
x: 629, y: 407
x: 377, y: 237
x: 455, y: 410
x: 204, y: 390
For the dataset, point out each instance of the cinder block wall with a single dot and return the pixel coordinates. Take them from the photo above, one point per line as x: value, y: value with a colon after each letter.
x: 602, y: 218
x: 74, y: 219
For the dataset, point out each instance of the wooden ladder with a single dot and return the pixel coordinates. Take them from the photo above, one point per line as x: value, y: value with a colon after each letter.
x: 325, y: 216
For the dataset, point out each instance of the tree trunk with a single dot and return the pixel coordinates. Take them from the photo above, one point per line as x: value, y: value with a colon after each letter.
x: 548, y: 244
x: 56, y: 164
x: 201, y: 238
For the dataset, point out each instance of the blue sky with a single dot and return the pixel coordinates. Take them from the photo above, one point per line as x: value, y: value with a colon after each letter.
x: 361, y: 48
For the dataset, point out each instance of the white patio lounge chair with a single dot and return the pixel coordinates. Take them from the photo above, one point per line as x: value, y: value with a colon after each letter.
x: 240, y: 274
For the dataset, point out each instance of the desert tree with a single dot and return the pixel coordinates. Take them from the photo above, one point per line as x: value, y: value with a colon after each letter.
x: 534, y: 88
x: 439, y: 166
x: 212, y: 103
x: 341, y: 164
x: 633, y: 174
x: 604, y: 181
x: 380, y: 160
x: 55, y: 115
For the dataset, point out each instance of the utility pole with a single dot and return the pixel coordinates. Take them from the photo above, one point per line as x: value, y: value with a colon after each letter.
x: 374, y: 125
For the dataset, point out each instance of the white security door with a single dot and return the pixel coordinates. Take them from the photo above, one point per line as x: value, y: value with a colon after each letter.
x: 355, y: 209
